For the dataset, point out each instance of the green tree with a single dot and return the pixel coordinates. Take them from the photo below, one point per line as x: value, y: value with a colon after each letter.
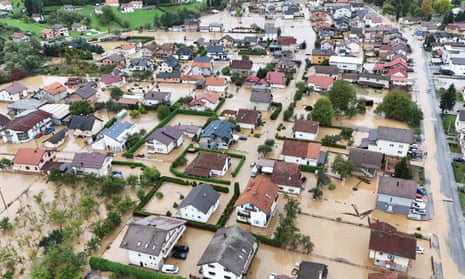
x: 151, y: 174
x: 20, y: 56
x: 162, y: 112
x: 33, y: 6
x: 116, y: 93
x: 110, y: 186
x: 441, y: 6
x: 264, y: 149
x: 448, y: 98
x: 342, y: 96
x: 322, y: 112
x: 426, y: 8
x: 80, y: 108
x: 269, y: 142
x: 226, y: 71
x: 55, y: 237
x: 403, y: 169
x: 134, y: 113
x: 343, y: 167
x: 389, y: 9
x: 398, y: 105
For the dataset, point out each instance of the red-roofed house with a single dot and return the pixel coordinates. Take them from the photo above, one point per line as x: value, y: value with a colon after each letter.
x: 110, y: 80
x: 217, y: 84
x: 112, y: 3
x: 302, y: 153
x: 128, y: 49
x: 320, y: 83
x: 276, y: 79
x: 49, y: 34
x: 53, y: 92
x: 32, y: 159
x: 206, y: 101
x: 306, y: 129
x: 5, y: 5
x: 399, y: 77
x: 256, y: 205
x: 25, y: 128
x: 248, y: 118
x: 287, y: 176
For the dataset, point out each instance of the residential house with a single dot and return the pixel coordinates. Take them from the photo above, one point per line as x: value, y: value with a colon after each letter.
x: 112, y: 3
x: 399, y: 77
x: 229, y: 254
x: 429, y: 27
x: 217, y: 52
x: 395, y: 195
x: 250, y: 41
x: 218, y: 134
x: 191, y: 24
x: 28, y: 159
x: 184, y: 53
x: 78, y: 27
x: 320, y: 83
x: 87, y: 93
x: 127, y: 49
x: 374, y: 80
x: 110, y: 80
x: 287, y: 42
x: 48, y: 34
x: 113, y: 59
x: 306, y: 129
x: 37, y: 17
x: 351, y: 77
x: 60, y: 30
x: 367, y: 162
x: 342, y: 11
x: 169, y: 77
x: 207, y: 164
x: 91, y: 163
x: 276, y: 79
x: 260, y: 101
x: 347, y: 63
x: 164, y: 140
x: 288, y: 177
x: 3, y: 121
x: 169, y: 65
x: 23, y: 105
x: 114, y: 137
x: 460, y: 121
x: 227, y: 41
x: 5, y: 5
x: 205, y: 101
x: 302, y: 153
x: 85, y: 125
x: 317, y: 14
x: 126, y: 8
x: 320, y: 55
x: 327, y: 44
x: 199, y: 204
x: 58, y: 112
x: 256, y: 205
x: 390, y: 141
x: 271, y: 32
x: 27, y: 127
x: 13, y: 92
x: 149, y: 240
x: 56, y: 140
x: 390, y: 248
x: 140, y: 64
x: 20, y: 37
x: 216, y: 84
x: 202, y: 66
x: 53, y: 92
x: 325, y: 70
x: 243, y: 67
x: 164, y: 50
x: 153, y: 98
x: 98, y: 9
x: 248, y: 118
x: 312, y: 270
x: 215, y: 27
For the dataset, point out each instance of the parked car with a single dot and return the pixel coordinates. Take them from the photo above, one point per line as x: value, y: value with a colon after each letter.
x: 140, y: 155
x: 419, y: 211
x: 459, y: 159
x: 170, y: 268
x: 180, y: 255
x: 181, y: 248
x: 419, y: 205
x: 116, y: 174
x: 419, y: 196
x: 49, y: 130
x: 38, y: 135
x: 421, y: 191
x: 242, y: 138
x: 420, y: 250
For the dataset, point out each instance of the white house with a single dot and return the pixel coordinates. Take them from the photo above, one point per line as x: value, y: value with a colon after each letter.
x: 114, y: 138
x: 199, y: 204
x: 390, y: 141
x: 460, y: 121
x: 347, y: 63
x: 342, y: 11
x: 53, y: 92
x: 85, y: 125
x: 302, y: 153
x: 248, y: 118
x: 256, y: 205
x: 5, y: 5
x: 216, y: 84
x: 164, y: 140
x: 208, y: 164
x: 229, y: 254
x: 149, y: 241
x: 391, y: 249
x: 287, y: 176
x: 13, y: 92
x: 395, y: 195
x: 93, y: 162
x: 29, y: 159
x: 153, y: 98
x: 27, y: 127
x: 205, y: 101
x: 306, y: 129
x: 260, y: 101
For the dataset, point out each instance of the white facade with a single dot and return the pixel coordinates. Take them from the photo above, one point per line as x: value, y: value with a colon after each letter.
x: 220, y: 171
x: 217, y: 88
x: 342, y: 12
x: 289, y: 189
x: 6, y: 6
x: 218, y: 270
x: 114, y: 144
x: 459, y: 125
x: 306, y: 135
x: 249, y: 213
x: 104, y: 170
x: 345, y: 63
x: 382, y: 259
x: 390, y: 148
x: 155, y: 146
x: 300, y: 160
x: 47, y: 156
x: 192, y: 213
x: 12, y: 136
x: 5, y: 96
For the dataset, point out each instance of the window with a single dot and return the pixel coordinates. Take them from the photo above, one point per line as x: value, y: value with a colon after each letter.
x: 401, y: 146
x: 391, y: 145
x: 211, y: 273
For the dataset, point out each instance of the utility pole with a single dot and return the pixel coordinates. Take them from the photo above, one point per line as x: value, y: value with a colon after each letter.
x: 3, y: 200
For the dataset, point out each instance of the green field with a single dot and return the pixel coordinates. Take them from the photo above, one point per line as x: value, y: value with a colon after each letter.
x: 448, y: 122
x: 34, y: 27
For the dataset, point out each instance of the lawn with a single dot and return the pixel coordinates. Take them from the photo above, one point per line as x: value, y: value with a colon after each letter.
x: 459, y: 169
x: 421, y: 175
x: 454, y: 147
x: 34, y: 27
x: 462, y: 198
x: 448, y: 123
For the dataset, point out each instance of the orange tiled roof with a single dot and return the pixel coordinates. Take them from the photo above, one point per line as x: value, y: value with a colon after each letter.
x: 215, y: 81
x: 54, y: 88
x: 28, y: 156
x: 260, y: 192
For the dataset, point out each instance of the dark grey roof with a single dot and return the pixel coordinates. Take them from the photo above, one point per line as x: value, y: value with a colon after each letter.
x: 392, y: 186
x: 310, y: 270
x: 184, y: 51
x: 395, y: 134
x: 165, y: 135
x: 57, y: 137
x: 172, y: 62
x: 191, y: 21
x: 173, y: 74
x: 322, y: 158
x: 85, y: 91
x: 231, y: 247
x: 202, y: 59
x: 461, y: 115
x: 15, y: 88
x: 149, y: 235
x: 27, y: 104
x: 82, y: 122
x: 458, y: 60
x: 115, y: 57
x: 261, y: 97
x: 116, y: 129
x: 373, y: 77
x: 215, y: 49
x: 4, y: 120
x: 157, y: 95
x: 142, y: 62
x: 219, y: 128
x: 316, y: 51
x: 202, y: 197
x: 326, y: 69
x: 363, y: 158
x: 93, y: 160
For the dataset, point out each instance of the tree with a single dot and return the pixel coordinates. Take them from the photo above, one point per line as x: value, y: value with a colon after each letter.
x: 402, y: 169
x: 322, y: 112
x: 398, y: 105
x: 116, y: 93
x: 343, y: 167
x: 441, y: 6
x: 54, y: 238
x: 21, y: 56
x: 80, y: 108
x: 110, y: 186
x: 342, y: 96
x: 426, y: 7
x: 269, y: 142
x: 151, y: 174
x: 162, y: 112
x: 448, y: 97
x: 134, y: 113
x: 264, y: 149
x: 33, y: 6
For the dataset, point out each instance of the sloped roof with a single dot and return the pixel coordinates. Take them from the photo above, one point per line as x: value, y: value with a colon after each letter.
x: 230, y: 247
x: 215, y: 81
x: 90, y: 160
x: 261, y: 192
x: 323, y: 82
x: 307, y: 126
x: 219, y: 128
x: 85, y: 91
x: 116, y: 129
x: 241, y: 64
x: 54, y: 88
x: 247, y: 116
x: 398, y: 187
x: 24, y: 123
x: 287, y: 174
x: 15, y: 88
x: 311, y: 270
x: 156, y: 95
x: 394, y: 243
x: 202, y: 197
x: 261, y: 97
x: 4, y: 120
x: 204, y: 162
x: 165, y: 135
x: 82, y: 122
x: 364, y: 158
x: 28, y: 156
x: 57, y: 136
x: 395, y: 134
x: 301, y: 149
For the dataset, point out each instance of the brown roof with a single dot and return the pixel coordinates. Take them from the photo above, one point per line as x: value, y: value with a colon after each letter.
x: 286, y: 174
x: 301, y: 149
x: 202, y: 65
x: 364, y: 158
x: 260, y: 192
x: 384, y: 275
x: 54, y: 88
x: 241, y: 64
x: 306, y: 126
x: 215, y: 81
x: 398, y: 187
x: 28, y: 156
x: 286, y: 40
x: 322, y: 81
x: 24, y: 123
x: 128, y: 101
x: 394, y: 243
x: 128, y: 46
x: 248, y: 116
x: 204, y: 162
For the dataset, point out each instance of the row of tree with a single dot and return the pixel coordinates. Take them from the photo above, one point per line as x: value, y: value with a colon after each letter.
x: 415, y: 8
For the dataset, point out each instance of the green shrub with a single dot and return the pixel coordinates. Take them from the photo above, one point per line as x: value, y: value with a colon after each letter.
x: 331, y: 186
x: 168, y: 213
x: 175, y: 205
x: 159, y: 195
x: 417, y: 235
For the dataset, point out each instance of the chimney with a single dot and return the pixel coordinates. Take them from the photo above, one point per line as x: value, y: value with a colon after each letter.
x: 224, y: 235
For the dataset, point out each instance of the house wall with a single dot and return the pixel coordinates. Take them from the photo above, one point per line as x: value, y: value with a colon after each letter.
x: 221, y: 88
x: 11, y: 136
x: 155, y: 146
x: 206, y: 142
x: 7, y: 97
x: 248, y: 213
x: 48, y: 156
x: 56, y: 97
x: 318, y: 59
x: 197, y: 71
x: 216, y: 270
x: 246, y: 125
x: 220, y: 171
x: 398, y: 149
x: 305, y: 135
x: 300, y: 160
x: 393, y: 204
x: 191, y: 213
x: 259, y: 106
x: 459, y: 125
x: 389, y: 261
x: 289, y: 189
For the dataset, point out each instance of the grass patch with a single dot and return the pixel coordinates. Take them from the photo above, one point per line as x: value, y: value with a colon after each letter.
x: 462, y: 198
x: 454, y: 147
x: 421, y: 175
x: 448, y: 122
x: 34, y: 27
x: 459, y: 169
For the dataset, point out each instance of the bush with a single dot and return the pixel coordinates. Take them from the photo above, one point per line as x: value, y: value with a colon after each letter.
x: 331, y: 186
x: 159, y: 195
x: 175, y: 205
x: 417, y: 235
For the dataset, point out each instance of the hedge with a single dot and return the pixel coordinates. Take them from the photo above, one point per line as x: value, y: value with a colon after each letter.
x: 293, y: 139
x: 251, y: 52
x: 266, y: 240
x: 213, y: 180
x: 106, y: 265
x: 308, y: 168
x: 130, y: 164
x: 277, y: 110
x: 229, y: 207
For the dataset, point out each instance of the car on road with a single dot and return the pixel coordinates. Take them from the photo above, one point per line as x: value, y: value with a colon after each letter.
x: 242, y: 138
x: 459, y: 159
x: 170, y: 268
x: 111, y: 154
x: 420, y: 250
x: 308, y: 108
x: 181, y: 248
x: 116, y: 174
x: 179, y: 255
